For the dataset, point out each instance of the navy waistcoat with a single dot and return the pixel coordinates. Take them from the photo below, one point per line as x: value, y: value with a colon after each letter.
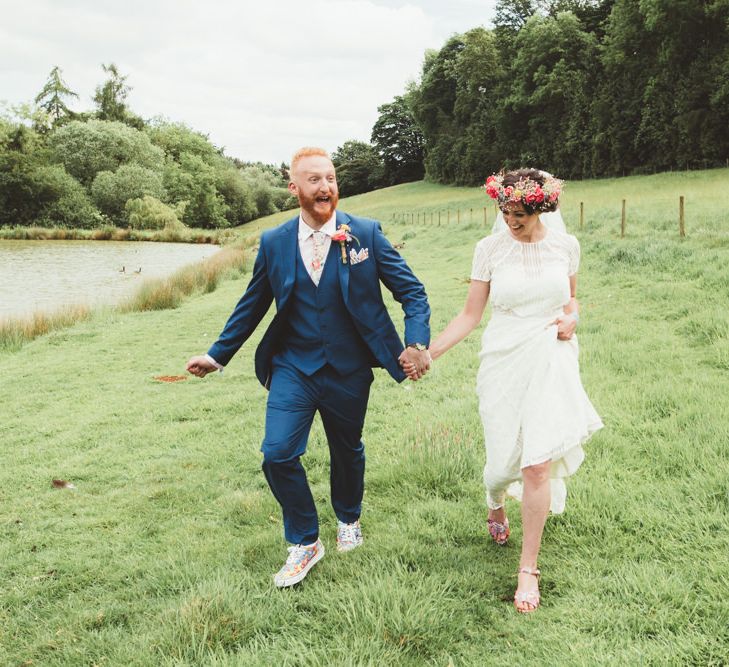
x: 319, y: 329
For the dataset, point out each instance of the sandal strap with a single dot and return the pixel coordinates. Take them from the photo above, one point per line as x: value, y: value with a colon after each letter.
x: 528, y: 570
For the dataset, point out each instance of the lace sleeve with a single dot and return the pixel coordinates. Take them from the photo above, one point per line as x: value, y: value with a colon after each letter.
x: 574, y: 255
x: 481, y: 268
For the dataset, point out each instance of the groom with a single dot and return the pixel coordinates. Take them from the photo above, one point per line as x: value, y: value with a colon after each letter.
x: 323, y: 268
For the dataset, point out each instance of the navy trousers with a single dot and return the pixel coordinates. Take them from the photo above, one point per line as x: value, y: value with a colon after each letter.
x: 292, y: 401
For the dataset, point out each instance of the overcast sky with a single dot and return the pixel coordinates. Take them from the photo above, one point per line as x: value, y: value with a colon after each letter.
x: 260, y: 78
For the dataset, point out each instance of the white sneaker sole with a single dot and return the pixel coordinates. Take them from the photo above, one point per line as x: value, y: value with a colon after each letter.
x: 291, y: 581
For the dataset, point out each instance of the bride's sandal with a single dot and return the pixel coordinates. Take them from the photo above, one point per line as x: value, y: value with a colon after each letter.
x: 499, y: 531
x: 530, y: 598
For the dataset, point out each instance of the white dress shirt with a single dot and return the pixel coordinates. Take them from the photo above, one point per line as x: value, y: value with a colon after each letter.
x: 306, y: 248
x: 306, y: 241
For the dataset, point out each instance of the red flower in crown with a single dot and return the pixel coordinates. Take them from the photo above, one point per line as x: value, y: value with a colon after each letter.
x: 525, y: 191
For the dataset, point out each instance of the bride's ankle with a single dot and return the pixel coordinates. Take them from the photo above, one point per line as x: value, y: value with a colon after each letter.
x: 498, y: 515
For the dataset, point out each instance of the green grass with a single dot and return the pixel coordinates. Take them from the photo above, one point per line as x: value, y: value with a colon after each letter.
x: 164, y: 552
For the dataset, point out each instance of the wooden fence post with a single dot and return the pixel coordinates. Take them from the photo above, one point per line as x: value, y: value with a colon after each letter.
x: 458, y: 216
x: 622, y: 221
x: 470, y: 219
x: 582, y: 214
x: 448, y: 217
x: 681, y: 219
x: 485, y: 218
x: 438, y: 218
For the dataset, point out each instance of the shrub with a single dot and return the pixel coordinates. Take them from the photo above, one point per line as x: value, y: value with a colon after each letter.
x: 150, y: 213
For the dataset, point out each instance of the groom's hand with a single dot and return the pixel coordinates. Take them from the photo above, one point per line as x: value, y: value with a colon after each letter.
x: 200, y: 366
x: 414, y: 362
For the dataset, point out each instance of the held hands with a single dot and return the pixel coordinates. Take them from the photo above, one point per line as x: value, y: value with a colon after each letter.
x: 200, y: 366
x: 566, y: 325
x: 415, y: 363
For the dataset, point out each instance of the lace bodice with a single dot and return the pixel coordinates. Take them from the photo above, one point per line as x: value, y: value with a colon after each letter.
x: 527, y: 279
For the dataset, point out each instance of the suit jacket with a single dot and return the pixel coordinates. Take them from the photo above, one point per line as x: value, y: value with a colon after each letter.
x: 273, y: 279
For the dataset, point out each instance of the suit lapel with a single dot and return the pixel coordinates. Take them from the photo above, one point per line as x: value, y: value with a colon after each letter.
x: 343, y: 267
x: 288, y: 250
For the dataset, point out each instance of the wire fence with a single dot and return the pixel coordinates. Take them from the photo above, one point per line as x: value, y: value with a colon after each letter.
x: 486, y: 216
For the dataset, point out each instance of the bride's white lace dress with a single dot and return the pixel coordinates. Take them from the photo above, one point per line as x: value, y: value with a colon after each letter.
x: 532, y: 403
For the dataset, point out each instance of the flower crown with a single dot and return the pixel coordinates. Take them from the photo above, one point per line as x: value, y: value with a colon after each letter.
x: 525, y: 191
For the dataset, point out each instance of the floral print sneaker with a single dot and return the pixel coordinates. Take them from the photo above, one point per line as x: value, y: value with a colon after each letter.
x: 300, y: 560
x: 349, y: 536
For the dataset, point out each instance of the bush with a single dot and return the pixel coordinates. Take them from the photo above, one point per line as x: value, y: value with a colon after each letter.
x: 111, y: 191
x: 150, y: 213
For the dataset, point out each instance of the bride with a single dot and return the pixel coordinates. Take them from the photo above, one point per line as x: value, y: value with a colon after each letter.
x: 534, y: 410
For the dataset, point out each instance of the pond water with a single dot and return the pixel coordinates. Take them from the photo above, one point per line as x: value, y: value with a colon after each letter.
x: 47, y: 275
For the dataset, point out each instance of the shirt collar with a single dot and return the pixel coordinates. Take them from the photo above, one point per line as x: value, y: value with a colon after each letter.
x: 329, y: 227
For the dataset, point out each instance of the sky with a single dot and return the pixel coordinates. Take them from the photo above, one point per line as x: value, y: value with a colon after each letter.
x: 259, y: 78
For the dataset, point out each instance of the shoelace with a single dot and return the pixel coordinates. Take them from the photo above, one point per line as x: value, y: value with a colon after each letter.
x: 297, y: 554
x: 348, y: 532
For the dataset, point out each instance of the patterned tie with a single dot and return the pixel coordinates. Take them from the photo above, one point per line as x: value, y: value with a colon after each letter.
x: 317, y: 264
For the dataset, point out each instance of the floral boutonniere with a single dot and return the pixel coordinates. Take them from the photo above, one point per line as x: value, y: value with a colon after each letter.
x: 344, y: 235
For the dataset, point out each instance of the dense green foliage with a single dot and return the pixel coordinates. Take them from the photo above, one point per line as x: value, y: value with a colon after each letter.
x: 164, y: 552
x: 78, y: 170
x: 582, y: 88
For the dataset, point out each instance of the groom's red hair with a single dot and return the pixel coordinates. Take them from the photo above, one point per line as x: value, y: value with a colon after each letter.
x: 307, y: 151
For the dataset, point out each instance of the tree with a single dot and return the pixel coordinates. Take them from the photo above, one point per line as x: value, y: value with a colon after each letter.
x: 194, y: 181
x: 479, y: 147
x: 110, y: 98
x: 551, y: 80
x: 512, y: 15
x: 52, y: 95
x: 34, y: 192
x: 85, y: 149
x: 177, y: 138
x: 398, y: 139
x: 111, y: 190
x: 359, y: 168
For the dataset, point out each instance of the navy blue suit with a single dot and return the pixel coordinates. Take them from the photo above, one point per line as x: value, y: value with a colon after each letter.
x: 317, y: 354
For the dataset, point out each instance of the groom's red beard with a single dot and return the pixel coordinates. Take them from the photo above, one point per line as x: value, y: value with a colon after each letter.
x: 318, y: 210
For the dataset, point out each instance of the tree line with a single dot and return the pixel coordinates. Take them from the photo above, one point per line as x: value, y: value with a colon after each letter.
x: 581, y: 88
x: 109, y: 166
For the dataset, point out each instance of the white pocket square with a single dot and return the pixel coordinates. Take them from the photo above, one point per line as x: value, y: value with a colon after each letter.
x: 357, y: 257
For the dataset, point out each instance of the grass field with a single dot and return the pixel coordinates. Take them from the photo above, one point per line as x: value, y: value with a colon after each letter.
x: 164, y: 551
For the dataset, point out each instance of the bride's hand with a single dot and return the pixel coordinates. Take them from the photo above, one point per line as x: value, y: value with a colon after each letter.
x: 566, y: 325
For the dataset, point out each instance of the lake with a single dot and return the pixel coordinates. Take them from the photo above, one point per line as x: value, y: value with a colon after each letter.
x: 47, y: 275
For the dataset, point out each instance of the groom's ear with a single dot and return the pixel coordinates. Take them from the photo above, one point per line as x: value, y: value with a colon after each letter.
x: 293, y: 189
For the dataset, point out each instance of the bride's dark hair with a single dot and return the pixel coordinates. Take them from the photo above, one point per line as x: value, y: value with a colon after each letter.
x: 511, y: 178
